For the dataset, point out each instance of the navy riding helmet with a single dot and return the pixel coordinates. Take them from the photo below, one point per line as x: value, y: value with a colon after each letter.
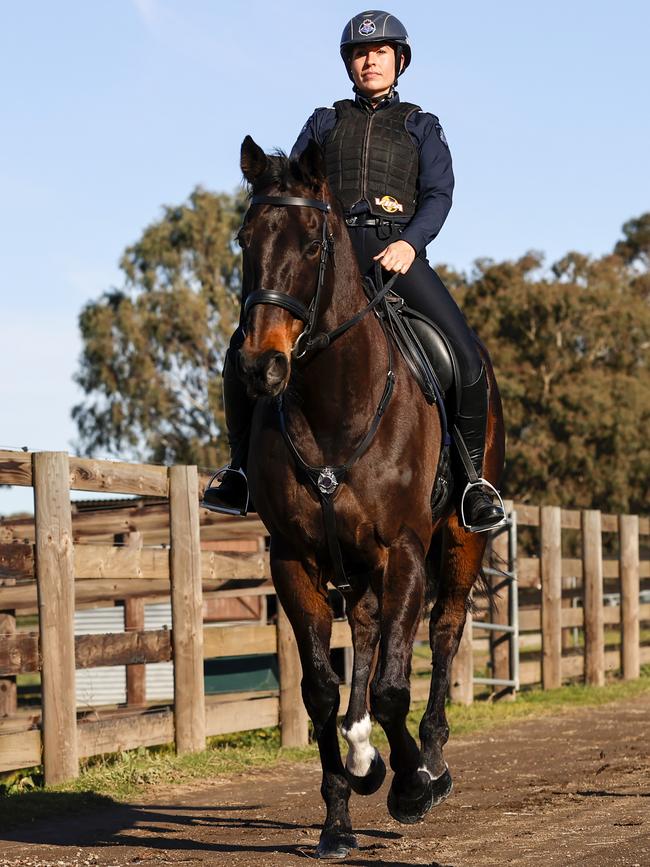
x: 375, y: 26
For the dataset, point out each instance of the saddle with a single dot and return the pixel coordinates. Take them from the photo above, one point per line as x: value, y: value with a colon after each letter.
x: 426, y: 351
x: 430, y: 358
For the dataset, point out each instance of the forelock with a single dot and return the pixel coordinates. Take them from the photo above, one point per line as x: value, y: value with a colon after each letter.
x: 280, y: 172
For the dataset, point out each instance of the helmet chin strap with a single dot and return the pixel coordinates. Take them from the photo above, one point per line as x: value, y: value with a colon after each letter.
x: 376, y: 100
x: 374, y: 103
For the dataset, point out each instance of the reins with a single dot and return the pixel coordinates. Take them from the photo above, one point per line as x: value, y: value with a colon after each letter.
x: 325, y: 479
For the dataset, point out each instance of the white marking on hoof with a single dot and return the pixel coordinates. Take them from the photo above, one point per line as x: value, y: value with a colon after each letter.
x: 361, y: 752
x: 426, y: 770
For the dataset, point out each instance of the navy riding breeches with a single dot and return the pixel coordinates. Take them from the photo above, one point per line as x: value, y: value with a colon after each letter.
x: 425, y: 292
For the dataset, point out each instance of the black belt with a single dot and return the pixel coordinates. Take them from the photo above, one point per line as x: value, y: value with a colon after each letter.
x: 364, y: 222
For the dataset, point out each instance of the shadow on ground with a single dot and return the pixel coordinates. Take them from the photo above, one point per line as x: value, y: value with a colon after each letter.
x: 104, y: 822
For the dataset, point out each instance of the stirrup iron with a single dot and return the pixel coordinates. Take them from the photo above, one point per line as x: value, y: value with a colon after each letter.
x: 482, y: 483
x: 219, y: 476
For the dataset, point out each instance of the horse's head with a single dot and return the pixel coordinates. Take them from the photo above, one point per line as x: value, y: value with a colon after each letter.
x: 283, y: 245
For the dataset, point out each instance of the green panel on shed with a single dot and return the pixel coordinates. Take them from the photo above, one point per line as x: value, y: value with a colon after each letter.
x: 241, y: 673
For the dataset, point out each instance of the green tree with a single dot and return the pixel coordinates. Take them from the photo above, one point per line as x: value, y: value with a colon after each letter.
x: 153, y: 350
x: 571, y: 347
x: 635, y: 245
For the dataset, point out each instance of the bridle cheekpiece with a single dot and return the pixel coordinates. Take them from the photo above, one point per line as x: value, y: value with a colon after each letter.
x: 308, y: 315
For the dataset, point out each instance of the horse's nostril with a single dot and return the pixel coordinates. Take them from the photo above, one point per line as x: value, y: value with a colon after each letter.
x: 264, y: 374
x: 276, y: 368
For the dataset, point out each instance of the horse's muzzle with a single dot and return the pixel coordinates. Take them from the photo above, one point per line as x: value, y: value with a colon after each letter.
x: 265, y: 375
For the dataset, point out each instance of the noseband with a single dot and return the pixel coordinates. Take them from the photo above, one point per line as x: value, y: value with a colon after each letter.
x: 307, y: 340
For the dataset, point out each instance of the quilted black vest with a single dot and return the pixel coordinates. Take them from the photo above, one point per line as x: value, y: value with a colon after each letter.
x: 370, y: 156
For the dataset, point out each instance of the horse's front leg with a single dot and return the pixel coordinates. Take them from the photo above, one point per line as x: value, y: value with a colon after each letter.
x: 463, y: 554
x: 364, y: 765
x: 310, y: 615
x: 401, y: 606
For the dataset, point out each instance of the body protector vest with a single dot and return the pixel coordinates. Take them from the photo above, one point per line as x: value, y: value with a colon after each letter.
x: 370, y: 156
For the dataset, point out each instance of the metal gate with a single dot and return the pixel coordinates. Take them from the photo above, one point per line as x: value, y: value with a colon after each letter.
x: 511, y: 628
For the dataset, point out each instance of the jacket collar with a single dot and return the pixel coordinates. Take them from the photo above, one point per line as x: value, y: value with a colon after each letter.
x: 365, y: 104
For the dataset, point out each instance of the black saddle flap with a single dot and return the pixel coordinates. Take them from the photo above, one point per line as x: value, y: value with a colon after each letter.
x: 421, y: 342
x: 435, y: 347
x: 424, y: 347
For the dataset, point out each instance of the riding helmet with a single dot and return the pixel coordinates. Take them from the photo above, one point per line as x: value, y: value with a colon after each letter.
x: 376, y: 26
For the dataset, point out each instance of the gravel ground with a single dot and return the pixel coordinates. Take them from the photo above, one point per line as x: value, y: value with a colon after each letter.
x: 567, y: 789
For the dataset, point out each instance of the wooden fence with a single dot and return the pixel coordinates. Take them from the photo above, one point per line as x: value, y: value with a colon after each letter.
x: 67, y: 574
x: 581, y: 614
x: 49, y: 566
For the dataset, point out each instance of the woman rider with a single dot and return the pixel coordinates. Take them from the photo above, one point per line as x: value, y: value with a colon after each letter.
x: 389, y: 164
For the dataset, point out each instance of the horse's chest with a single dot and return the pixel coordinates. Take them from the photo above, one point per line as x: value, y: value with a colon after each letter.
x: 379, y: 494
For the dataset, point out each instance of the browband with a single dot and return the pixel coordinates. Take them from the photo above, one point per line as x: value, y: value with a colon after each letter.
x: 291, y: 200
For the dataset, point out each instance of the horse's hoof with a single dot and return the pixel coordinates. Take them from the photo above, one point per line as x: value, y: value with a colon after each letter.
x: 409, y: 807
x: 441, y: 788
x: 372, y: 781
x: 335, y: 845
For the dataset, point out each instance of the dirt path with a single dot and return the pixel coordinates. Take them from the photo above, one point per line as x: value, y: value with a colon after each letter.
x: 557, y: 791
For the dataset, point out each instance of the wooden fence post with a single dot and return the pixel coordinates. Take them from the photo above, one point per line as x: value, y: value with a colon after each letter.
x: 136, y: 685
x: 592, y: 560
x: 55, y: 586
x: 136, y: 673
x: 500, y: 641
x: 628, y: 528
x: 187, y: 609
x: 8, y: 693
x: 293, y: 716
x: 461, y: 686
x: 568, y: 583
x: 551, y: 574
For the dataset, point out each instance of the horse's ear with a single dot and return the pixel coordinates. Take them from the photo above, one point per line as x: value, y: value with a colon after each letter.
x: 253, y: 160
x: 312, y: 164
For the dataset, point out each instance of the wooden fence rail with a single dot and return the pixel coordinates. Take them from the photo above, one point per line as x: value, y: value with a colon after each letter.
x: 160, y: 555
x: 591, y: 576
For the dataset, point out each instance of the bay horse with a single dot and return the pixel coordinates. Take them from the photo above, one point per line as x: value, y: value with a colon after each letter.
x: 340, y: 419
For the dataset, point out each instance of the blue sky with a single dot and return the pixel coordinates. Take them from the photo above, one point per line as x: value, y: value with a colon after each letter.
x: 111, y: 109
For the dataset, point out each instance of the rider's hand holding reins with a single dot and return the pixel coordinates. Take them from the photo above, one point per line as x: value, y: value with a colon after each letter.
x: 398, y: 257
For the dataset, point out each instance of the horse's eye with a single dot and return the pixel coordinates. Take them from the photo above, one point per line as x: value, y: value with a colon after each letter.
x: 312, y: 247
x: 241, y: 240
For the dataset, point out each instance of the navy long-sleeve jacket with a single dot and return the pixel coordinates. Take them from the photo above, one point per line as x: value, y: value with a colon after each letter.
x: 435, y: 177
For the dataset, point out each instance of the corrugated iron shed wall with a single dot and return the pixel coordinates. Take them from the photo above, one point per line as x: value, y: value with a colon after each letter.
x: 107, y: 685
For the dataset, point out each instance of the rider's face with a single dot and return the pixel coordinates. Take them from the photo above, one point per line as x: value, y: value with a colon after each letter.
x: 373, y: 68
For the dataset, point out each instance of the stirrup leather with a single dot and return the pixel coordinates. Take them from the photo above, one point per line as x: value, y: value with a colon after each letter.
x: 482, y: 483
x: 219, y: 477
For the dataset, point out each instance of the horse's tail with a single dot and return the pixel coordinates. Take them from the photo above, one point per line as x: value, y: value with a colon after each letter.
x: 433, y: 565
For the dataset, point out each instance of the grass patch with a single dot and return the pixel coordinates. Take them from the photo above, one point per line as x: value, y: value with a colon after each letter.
x: 124, y: 774
x: 119, y: 777
x: 532, y: 703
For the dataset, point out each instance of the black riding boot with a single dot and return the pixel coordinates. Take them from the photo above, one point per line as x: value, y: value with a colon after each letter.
x: 478, y: 512
x: 228, y: 489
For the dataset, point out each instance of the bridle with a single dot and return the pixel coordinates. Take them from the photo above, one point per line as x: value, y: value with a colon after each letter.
x: 325, y: 479
x: 307, y: 340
